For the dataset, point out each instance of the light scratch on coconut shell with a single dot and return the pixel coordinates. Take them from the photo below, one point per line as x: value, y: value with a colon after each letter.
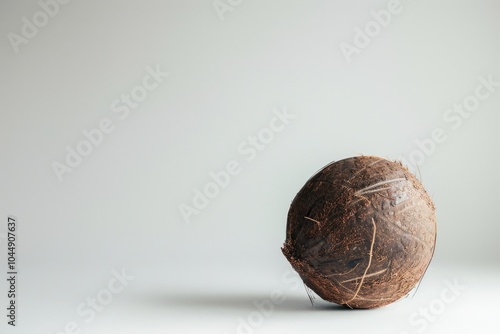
x: 366, y: 276
x: 373, y: 191
x: 361, y: 191
x: 317, y: 222
x: 342, y: 274
x: 369, y: 263
x: 369, y: 190
x: 409, y: 207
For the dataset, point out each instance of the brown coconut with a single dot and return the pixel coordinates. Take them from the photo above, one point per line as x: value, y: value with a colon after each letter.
x: 361, y: 232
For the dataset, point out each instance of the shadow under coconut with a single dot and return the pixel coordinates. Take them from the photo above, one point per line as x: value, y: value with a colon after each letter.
x: 227, y: 301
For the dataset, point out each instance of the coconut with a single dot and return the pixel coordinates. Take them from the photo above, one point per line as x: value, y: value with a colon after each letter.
x: 361, y: 232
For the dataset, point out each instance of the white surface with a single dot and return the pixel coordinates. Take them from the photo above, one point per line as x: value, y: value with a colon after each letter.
x: 213, y: 300
x: 119, y: 208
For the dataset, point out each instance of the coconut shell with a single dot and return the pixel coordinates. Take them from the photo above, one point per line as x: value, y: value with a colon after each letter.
x: 361, y: 232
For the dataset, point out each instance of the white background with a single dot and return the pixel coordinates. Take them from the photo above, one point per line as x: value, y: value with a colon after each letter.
x: 119, y: 208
